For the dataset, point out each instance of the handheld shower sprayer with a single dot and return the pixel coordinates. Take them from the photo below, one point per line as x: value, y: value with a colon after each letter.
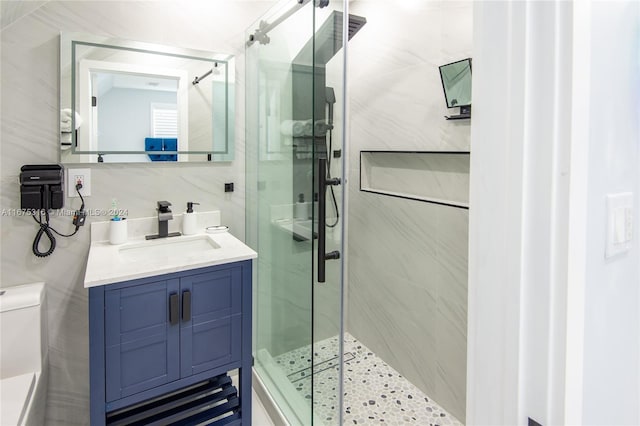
x: 330, y: 95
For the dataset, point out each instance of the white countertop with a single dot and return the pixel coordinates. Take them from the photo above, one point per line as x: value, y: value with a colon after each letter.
x: 108, y: 263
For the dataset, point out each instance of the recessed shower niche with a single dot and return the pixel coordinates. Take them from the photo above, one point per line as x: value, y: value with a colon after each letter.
x: 440, y: 177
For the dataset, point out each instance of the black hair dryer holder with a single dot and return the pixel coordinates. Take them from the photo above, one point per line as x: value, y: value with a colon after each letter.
x: 41, y: 187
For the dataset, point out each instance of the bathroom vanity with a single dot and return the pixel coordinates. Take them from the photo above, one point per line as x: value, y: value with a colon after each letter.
x: 168, y: 320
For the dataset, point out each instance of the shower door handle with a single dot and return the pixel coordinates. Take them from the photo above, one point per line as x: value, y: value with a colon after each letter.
x: 323, y: 256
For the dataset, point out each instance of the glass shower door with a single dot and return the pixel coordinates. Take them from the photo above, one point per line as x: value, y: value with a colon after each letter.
x: 294, y: 71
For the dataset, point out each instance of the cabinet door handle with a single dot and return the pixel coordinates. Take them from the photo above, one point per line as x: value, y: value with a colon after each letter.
x: 186, y: 305
x: 173, y: 308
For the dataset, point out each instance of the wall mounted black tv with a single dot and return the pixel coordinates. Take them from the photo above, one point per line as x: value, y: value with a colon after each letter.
x: 456, y: 83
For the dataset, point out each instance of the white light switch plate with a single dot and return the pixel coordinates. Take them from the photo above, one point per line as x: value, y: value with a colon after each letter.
x: 72, y: 176
x: 619, y: 223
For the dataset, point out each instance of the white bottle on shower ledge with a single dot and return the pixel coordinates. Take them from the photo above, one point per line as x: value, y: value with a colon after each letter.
x: 189, y: 220
x: 301, y: 209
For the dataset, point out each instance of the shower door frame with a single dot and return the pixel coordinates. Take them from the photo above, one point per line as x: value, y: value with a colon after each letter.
x: 317, y: 292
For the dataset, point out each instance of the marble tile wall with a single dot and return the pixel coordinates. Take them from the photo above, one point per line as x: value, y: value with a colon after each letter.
x: 407, y: 281
x: 29, y: 135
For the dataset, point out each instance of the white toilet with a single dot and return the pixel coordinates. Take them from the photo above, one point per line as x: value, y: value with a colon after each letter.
x: 23, y: 355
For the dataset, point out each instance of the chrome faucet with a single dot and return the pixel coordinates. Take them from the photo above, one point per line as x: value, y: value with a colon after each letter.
x: 164, y: 216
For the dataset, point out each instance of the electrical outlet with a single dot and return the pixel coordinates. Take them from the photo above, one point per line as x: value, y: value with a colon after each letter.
x: 79, y: 179
x: 78, y: 175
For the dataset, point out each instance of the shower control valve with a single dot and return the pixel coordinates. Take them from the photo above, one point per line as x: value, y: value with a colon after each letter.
x: 333, y: 181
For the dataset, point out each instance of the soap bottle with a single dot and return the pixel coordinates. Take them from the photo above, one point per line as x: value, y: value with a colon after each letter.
x: 301, y: 211
x: 189, y: 220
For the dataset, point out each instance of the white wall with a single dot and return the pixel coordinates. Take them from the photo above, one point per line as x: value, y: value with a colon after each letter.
x: 611, y: 318
x: 553, y: 326
x: 29, y: 135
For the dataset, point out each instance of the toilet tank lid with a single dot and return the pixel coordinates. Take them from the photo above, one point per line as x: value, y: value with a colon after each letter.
x: 21, y: 296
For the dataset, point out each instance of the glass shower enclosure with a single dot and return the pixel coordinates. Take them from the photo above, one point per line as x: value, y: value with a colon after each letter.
x: 295, y: 65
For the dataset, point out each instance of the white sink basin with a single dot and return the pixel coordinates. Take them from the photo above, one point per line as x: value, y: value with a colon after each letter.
x: 167, y: 248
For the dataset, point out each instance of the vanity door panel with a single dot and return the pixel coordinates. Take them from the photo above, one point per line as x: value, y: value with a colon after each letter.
x: 142, y: 346
x: 211, y: 332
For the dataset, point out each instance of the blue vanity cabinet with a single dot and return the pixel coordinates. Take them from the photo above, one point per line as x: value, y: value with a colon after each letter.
x: 155, y: 337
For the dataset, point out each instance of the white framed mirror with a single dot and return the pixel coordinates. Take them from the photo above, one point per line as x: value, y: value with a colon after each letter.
x: 125, y: 101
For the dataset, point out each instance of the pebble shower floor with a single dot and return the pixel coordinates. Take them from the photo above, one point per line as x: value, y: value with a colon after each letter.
x: 374, y: 392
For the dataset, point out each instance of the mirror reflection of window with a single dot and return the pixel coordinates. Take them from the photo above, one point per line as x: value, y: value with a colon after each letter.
x: 164, y: 120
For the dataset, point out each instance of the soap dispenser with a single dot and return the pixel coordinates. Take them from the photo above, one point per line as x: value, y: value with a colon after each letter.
x: 189, y: 220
